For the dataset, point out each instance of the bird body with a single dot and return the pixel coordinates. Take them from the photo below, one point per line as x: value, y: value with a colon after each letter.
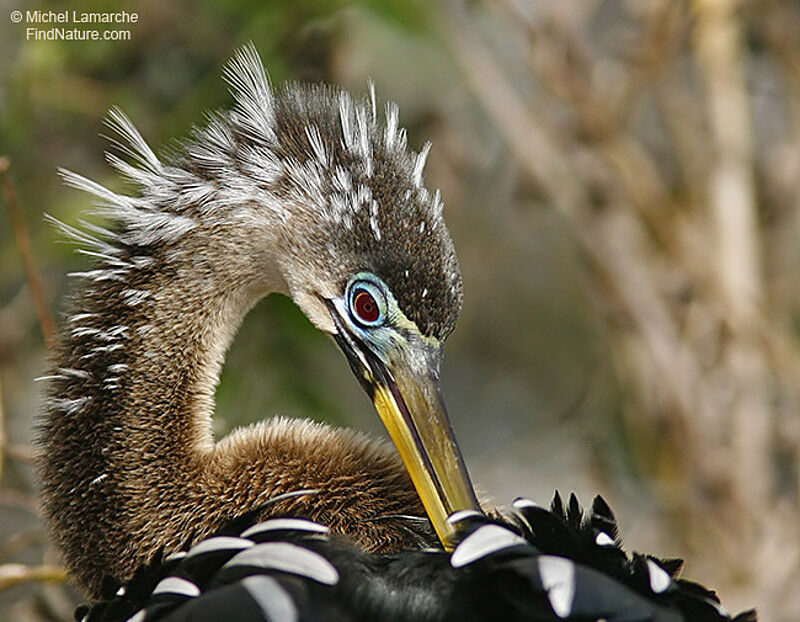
x: 537, y: 564
x: 310, y: 193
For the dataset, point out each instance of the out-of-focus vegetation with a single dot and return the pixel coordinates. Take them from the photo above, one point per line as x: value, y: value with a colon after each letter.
x: 622, y: 181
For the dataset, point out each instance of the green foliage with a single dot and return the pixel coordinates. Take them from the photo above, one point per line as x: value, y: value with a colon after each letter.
x: 274, y: 368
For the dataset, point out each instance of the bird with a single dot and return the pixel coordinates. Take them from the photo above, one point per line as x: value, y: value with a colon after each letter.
x: 313, y: 193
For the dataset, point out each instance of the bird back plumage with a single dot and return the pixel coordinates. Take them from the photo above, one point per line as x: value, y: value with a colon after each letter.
x: 537, y: 564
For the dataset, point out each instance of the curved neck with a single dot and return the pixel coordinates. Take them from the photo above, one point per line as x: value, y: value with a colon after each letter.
x: 129, y: 465
x: 127, y: 443
x: 182, y: 333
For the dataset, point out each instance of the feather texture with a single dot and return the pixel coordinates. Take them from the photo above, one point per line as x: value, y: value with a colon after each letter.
x: 497, y: 572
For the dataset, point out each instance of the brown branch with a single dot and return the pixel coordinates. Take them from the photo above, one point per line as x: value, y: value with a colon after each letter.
x: 32, y: 276
x: 564, y: 67
x: 12, y: 451
x: 14, y: 574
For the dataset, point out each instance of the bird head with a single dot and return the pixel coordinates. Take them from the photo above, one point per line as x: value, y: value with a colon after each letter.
x: 315, y: 194
x: 365, y: 253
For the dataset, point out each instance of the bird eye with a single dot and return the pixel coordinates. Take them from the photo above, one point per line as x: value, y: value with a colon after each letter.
x: 365, y: 307
x: 367, y: 304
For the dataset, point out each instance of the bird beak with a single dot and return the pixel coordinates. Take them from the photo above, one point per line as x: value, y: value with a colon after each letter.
x: 403, y: 382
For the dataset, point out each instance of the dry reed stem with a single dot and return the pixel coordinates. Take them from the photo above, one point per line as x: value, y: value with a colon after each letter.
x: 15, y: 574
x: 718, y: 41
x: 528, y: 139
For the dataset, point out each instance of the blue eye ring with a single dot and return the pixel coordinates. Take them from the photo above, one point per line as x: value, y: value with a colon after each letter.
x: 366, y: 302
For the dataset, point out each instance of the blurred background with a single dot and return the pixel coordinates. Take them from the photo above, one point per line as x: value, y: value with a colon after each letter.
x: 622, y: 182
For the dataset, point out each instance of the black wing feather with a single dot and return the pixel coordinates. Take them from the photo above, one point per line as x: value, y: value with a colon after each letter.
x: 537, y: 565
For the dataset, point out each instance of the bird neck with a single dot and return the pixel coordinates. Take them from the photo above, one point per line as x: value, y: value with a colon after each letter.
x: 127, y: 445
x: 163, y: 331
x: 176, y: 340
x: 129, y: 465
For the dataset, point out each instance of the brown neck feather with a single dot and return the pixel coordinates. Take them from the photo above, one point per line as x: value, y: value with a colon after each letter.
x: 129, y: 465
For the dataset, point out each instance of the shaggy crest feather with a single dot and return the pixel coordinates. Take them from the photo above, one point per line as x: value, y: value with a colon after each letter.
x: 132, y: 142
x: 419, y: 163
x: 237, y: 158
x: 253, y: 114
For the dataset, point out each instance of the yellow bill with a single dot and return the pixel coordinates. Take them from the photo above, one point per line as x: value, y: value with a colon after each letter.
x: 412, y: 409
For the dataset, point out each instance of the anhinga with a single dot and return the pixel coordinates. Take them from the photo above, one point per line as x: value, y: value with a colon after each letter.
x: 313, y: 194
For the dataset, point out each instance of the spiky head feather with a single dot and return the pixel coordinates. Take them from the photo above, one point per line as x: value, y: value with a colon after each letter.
x: 332, y: 180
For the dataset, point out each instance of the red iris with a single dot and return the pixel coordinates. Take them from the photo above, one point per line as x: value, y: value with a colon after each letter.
x: 365, y: 307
